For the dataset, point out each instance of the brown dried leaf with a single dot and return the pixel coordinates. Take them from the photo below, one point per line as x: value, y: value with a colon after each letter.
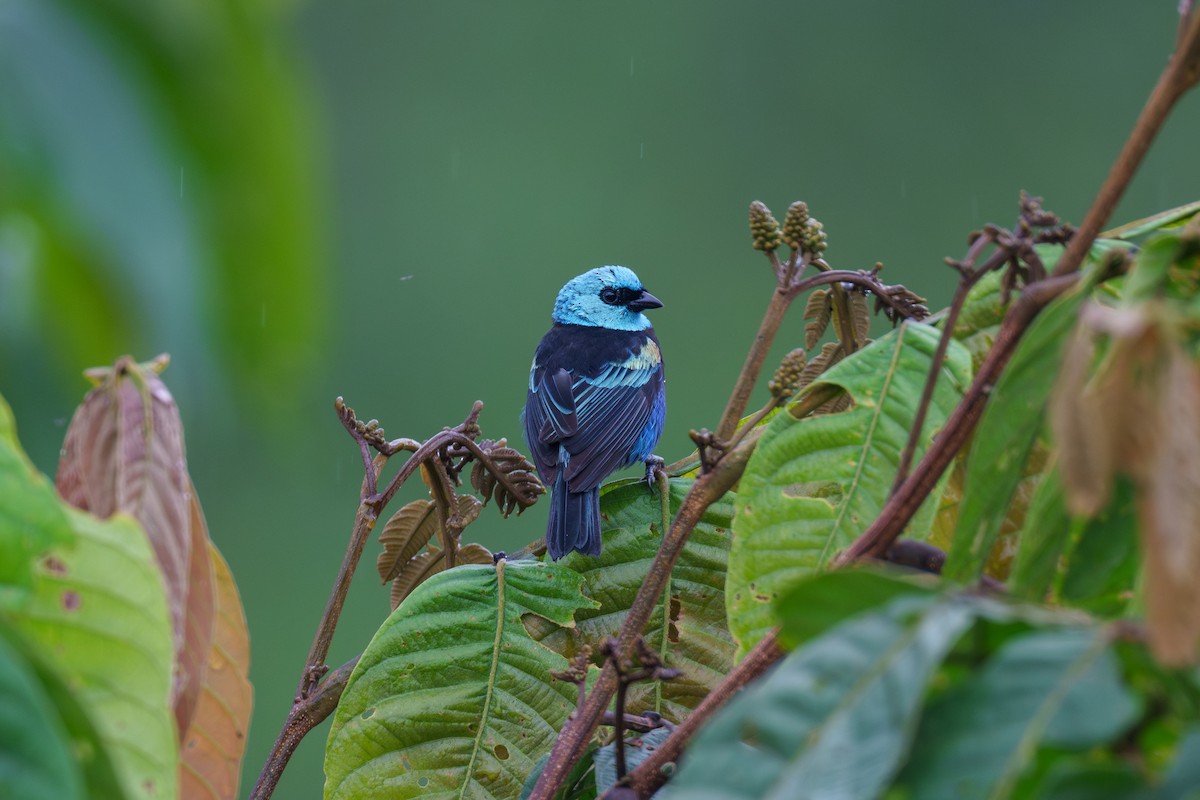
x: 404, y: 535
x: 198, y: 628
x: 1085, y: 438
x: 469, y: 508
x: 819, y: 309
x: 519, y: 473
x: 1169, y: 506
x: 475, y: 554
x: 210, y: 757
x: 860, y: 317
x: 124, y: 451
x: 830, y: 354
x: 415, y: 572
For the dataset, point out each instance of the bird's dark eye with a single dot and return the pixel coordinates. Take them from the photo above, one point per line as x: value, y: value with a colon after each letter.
x: 610, y: 296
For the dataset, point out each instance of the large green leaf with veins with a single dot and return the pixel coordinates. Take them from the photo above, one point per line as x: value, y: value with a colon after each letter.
x: 688, y: 630
x: 452, y: 697
x: 31, y: 516
x: 98, y: 613
x: 835, y: 718
x: 813, y: 485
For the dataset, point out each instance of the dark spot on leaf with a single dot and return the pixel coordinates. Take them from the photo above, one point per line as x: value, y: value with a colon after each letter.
x: 423, y: 782
x: 676, y: 609
x: 502, y: 752
x: 763, y: 598
x: 368, y: 713
x: 55, y: 566
x: 70, y: 600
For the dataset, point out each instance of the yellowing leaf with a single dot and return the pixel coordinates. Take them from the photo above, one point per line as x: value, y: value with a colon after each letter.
x: 211, y: 754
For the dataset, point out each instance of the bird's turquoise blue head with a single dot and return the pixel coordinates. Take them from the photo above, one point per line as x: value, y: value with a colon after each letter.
x: 605, y: 297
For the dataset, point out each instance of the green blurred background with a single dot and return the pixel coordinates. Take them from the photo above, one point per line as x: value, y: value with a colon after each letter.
x: 380, y: 199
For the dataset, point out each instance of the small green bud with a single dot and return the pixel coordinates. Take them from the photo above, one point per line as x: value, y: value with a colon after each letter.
x: 764, y: 228
x: 786, y: 381
x: 794, y: 224
x: 812, y: 238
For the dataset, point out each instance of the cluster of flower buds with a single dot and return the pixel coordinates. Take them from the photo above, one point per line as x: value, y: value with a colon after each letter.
x: 764, y: 228
x: 786, y: 381
x: 802, y: 232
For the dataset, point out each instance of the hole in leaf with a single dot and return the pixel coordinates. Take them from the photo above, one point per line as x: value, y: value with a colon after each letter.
x: 423, y: 782
x: 368, y: 713
x: 676, y: 609
x: 502, y: 752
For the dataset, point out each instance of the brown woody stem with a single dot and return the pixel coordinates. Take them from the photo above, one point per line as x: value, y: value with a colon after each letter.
x: 781, y: 299
x: 649, y: 776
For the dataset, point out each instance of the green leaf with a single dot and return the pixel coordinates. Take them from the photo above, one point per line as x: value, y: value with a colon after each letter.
x: 694, y: 637
x: 1076, y: 781
x: 813, y: 485
x: 98, y: 612
x: 637, y: 749
x: 835, y: 718
x: 36, y: 761
x: 31, y: 517
x: 452, y: 695
x: 580, y: 783
x: 1044, y: 537
x: 1103, y: 567
x: 984, y: 308
x: 1170, y: 218
x: 1182, y: 780
x: 87, y: 748
x: 205, y: 141
x: 1006, y: 435
x: 828, y: 599
x: 1058, y: 686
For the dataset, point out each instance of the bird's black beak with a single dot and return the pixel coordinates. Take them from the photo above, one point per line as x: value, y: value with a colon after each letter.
x: 643, y: 301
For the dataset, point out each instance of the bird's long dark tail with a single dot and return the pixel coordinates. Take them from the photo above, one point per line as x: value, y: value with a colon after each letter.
x: 574, y: 521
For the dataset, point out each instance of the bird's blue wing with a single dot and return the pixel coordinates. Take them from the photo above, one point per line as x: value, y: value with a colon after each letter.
x: 590, y: 414
x: 613, y: 410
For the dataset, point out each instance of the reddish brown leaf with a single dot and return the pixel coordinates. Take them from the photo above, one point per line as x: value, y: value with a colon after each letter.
x: 414, y: 572
x: 124, y: 452
x: 1169, y: 506
x: 198, y: 629
x: 1086, y: 440
x: 404, y: 535
x: 211, y: 752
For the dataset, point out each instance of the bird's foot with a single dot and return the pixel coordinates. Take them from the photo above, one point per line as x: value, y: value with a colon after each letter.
x: 653, y: 465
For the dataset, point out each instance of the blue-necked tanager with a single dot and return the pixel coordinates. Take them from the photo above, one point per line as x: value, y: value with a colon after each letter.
x: 597, y: 399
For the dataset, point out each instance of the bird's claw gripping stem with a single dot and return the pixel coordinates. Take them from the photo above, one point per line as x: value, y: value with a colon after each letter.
x: 653, y: 465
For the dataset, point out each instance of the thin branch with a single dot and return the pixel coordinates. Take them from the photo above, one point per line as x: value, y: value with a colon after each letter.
x: 903, y: 504
x: 894, y: 297
x: 371, y: 503
x: 1180, y: 75
x: 970, y: 277
x: 649, y: 776
x: 781, y: 299
x: 304, y: 716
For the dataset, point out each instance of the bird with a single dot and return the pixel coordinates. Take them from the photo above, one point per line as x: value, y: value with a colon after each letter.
x: 597, y: 399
